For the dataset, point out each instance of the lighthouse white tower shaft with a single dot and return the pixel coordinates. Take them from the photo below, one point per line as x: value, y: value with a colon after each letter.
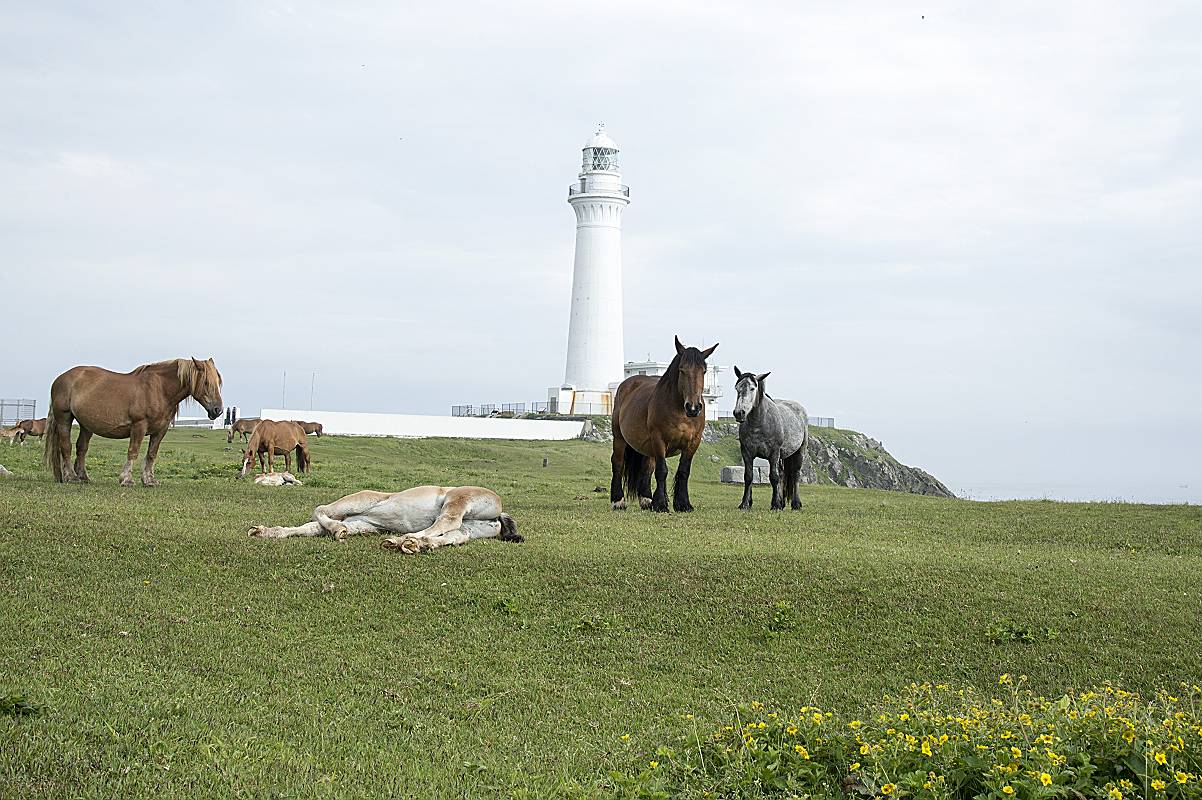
x: 595, y: 341
x: 595, y: 344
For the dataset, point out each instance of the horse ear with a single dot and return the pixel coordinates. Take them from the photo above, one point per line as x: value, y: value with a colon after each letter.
x: 706, y: 353
x: 737, y: 373
x: 760, y: 378
x: 679, y: 346
x: 196, y: 363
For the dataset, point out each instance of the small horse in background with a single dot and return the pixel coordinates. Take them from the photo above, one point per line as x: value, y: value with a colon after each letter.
x: 653, y: 420
x: 310, y: 427
x: 15, y: 435
x: 245, y: 427
x: 777, y: 430
x: 124, y: 406
x: 33, y: 427
x: 271, y: 439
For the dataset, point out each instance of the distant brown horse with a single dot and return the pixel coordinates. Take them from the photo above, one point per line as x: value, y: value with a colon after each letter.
x: 244, y: 426
x: 272, y: 439
x: 310, y: 427
x: 124, y: 406
x: 653, y: 420
x: 33, y: 427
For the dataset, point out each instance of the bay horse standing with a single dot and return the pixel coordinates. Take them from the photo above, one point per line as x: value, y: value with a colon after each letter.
x: 244, y: 426
x: 123, y: 406
x: 653, y: 420
x: 271, y: 439
x: 33, y: 427
x: 777, y: 430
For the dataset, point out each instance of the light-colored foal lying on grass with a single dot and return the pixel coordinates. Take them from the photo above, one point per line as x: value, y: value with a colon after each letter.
x: 426, y: 516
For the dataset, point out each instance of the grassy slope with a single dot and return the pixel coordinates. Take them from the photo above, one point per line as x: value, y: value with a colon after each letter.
x: 179, y: 657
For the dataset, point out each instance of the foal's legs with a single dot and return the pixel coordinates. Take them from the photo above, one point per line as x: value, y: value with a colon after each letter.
x: 81, y: 454
x: 352, y: 525
x: 680, y: 487
x: 152, y: 452
x: 136, y: 432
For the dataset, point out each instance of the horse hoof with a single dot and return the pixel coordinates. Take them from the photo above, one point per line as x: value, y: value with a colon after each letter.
x: 644, y: 503
x: 151, y: 482
x: 391, y: 543
x: 339, y: 532
x: 618, y: 506
x: 126, y: 482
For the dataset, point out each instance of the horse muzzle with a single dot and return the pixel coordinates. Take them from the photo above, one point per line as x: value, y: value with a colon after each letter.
x: 691, y: 410
x: 740, y: 415
x: 214, y: 413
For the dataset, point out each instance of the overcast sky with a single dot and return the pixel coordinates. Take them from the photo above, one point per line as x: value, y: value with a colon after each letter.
x: 973, y: 231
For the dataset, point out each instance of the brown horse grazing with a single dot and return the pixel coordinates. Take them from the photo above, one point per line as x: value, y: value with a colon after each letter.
x: 124, y: 406
x: 272, y: 439
x: 33, y: 427
x: 654, y: 419
x: 310, y: 427
x: 245, y: 426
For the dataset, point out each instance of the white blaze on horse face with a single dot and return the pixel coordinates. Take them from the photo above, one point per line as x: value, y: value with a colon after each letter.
x: 746, y: 392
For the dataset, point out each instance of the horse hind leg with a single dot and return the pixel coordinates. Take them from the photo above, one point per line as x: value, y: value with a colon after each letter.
x: 81, y: 455
x: 62, y: 442
x: 335, y: 518
x: 617, y: 491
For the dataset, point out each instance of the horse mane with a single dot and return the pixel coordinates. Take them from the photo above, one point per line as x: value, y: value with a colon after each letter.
x: 192, y: 377
x: 690, y: 355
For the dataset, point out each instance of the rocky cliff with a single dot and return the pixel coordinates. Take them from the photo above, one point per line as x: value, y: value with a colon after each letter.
x: 847, y: 458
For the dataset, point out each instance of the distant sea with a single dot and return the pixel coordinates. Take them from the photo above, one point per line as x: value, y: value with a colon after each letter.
x: 1187, y: 492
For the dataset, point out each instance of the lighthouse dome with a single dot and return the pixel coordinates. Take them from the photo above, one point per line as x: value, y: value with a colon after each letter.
x: 601, y: 139
x: 600, y: 152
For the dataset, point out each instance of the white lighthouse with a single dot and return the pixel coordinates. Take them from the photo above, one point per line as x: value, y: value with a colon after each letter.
x: 595, y: 352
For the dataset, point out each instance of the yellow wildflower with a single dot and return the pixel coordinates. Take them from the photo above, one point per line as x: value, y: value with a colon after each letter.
x: 854, y: 767
x: 903, y: 717
x: 926, y: 748
x: 1045, y: 779
x: 626, y: 737
x: 888, y: 788
x: 1007, y: 789
x: 801, y: 751
x: 1158, y: 784
x: 1115, y: 794
x: 1181, y: 777
x: 864, y: 749
x: 654, y: 764
x: 791, y: 730
x: 1160, y: 759
x: 1014, y: 751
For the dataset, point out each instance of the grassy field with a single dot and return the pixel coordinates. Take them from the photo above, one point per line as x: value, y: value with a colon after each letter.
x: 174, y: 656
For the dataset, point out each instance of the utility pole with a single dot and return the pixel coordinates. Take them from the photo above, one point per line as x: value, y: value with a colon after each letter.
x: 284, y: 391
x: 312, y: 387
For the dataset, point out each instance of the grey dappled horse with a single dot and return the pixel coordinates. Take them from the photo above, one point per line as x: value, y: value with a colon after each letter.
x: 777, y: 430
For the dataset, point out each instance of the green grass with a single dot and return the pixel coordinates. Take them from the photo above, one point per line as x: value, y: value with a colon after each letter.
x: 174, y: 656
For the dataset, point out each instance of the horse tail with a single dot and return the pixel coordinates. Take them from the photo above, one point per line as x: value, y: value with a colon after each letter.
x: 52, y: 457
x: 509, y: 529
x: 302, y: 457
x: 792, y: 471
x: 632, y: 469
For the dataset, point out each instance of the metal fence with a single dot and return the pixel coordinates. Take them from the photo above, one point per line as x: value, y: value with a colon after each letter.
x: 822, y: 422
x: 13, y: 411
x: 535, y: 407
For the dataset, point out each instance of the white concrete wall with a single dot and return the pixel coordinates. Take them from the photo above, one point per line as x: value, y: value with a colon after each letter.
x: 354, y: 423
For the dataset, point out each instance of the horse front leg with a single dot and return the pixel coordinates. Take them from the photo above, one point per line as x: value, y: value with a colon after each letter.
x: 659, y: 501
x: 748, y: 478
x: 152, y: 452
x: 776, y: 476
x: 680, y: 487
x: 136, y: 432
x: 81, y: 454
